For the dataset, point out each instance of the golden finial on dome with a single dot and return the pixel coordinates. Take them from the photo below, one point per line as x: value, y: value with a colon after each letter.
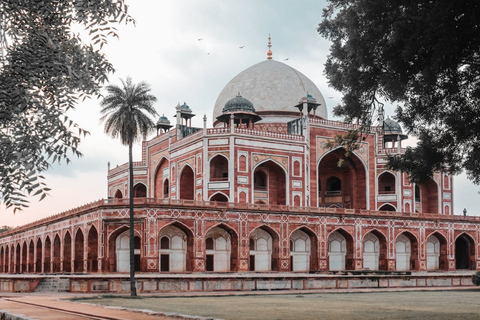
x: 269, y: 53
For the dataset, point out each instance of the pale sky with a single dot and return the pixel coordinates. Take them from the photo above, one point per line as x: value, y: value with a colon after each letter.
x: 163, y: 49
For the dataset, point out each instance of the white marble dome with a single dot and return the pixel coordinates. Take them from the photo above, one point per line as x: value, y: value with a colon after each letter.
x: 274, y: 88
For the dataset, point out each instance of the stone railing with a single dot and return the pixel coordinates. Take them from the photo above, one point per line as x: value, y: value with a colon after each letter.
x: 392, y: 150
x: 259, y: 133
x: 340, y: 124
x: 221, y: 130
x: 268, y: 134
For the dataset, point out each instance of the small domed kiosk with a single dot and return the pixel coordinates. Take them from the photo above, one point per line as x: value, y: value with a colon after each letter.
x: 241, y: 110
x: 392, y: 133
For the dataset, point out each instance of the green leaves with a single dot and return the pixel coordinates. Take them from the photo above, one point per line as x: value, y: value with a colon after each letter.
x: 123, y: 111
x: 44, y: 70
x: 422, y: 55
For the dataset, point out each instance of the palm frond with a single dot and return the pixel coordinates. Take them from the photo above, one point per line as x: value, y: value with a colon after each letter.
x: 126, y: 111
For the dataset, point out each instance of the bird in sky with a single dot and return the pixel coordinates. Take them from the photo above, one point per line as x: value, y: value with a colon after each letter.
x: 200, y: 39
x: 208, y: 52
x: 242, y: 47
x: 286, y: 59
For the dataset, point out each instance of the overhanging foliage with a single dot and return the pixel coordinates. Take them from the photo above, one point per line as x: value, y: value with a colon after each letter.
x: 423, y: 56
x: 45, y: 69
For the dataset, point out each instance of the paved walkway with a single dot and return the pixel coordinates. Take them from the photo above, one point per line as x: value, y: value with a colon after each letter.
x: 47, y: 307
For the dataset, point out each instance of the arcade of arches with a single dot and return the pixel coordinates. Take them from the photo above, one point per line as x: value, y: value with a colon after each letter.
x: 179, y: 246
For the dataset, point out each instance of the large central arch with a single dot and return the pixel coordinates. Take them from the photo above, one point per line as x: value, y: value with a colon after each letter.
x: 341, y: 181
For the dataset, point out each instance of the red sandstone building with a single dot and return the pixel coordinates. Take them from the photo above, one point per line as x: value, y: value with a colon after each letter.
x: 259, y: 191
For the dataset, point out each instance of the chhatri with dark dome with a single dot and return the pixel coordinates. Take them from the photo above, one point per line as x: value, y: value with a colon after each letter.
x: 270, y: 197
x: 241, y: 110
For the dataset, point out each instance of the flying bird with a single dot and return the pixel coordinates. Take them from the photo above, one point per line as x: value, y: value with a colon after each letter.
x: 242, y: 47
x: 200, y: 39
x: 286, y: 59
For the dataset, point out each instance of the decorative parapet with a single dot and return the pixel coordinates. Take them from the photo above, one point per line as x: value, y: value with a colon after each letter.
x: 344, y: 125
x: 149, y: 202
x: 391, y: 150
x: 283, y: 136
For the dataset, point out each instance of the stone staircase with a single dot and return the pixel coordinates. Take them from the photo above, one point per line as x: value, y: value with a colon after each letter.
x: 57, y: 284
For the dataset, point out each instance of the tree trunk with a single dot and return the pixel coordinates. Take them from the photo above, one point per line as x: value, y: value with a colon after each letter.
x: 133, y: 289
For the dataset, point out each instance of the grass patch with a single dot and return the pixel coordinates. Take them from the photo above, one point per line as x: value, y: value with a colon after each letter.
x: 438, y: 305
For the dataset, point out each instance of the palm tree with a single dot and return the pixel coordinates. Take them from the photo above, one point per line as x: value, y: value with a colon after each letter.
x: 123, y: 112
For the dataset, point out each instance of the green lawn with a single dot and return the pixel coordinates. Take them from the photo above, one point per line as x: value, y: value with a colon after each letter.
x: 436, y: 305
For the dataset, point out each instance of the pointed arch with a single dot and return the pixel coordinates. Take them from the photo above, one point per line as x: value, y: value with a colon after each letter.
x: 56, y: 253
x: 265, y: 249
x: 118, y: 194
x: 406, y: 251
x: 303, y: 249
x: 436, y: 251
x: 67, y: 252
x: 219, y: 197
x: 17, y: 258
x: 2, y: 259
x: 175, y: 247
x: 161, y: 179
x: 92, y: 248
x: 386, y: 182
x: 7, y: 258
x: 375, y: 254
x: 354, y: 189
x: 78, y: 256
x: 119, y: 250
x: 428, y: 201
x: 139, y: 190
x: 387, y: 207
x: 340, y: 250
x: 38, y: 261
x: 48, y: 255
x: 187, y: 183
x: 375, y: 250
x: 223, y: 255
x: 31, y: 256
x: 219, y: 165
x: 270, y: 181
x: 464, y: 252
x: 23, y: 262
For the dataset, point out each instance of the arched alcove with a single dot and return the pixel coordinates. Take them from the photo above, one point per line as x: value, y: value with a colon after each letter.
x: 67, y: 252
x: 342, y: 181
x: 386, y: 183
x: 219, y: 168
x: 464, y: 252
x: 139, y: 190
x: 219, y: 197
x: 187, y: 184
x: 270, y: 184
x: 92, y: 247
